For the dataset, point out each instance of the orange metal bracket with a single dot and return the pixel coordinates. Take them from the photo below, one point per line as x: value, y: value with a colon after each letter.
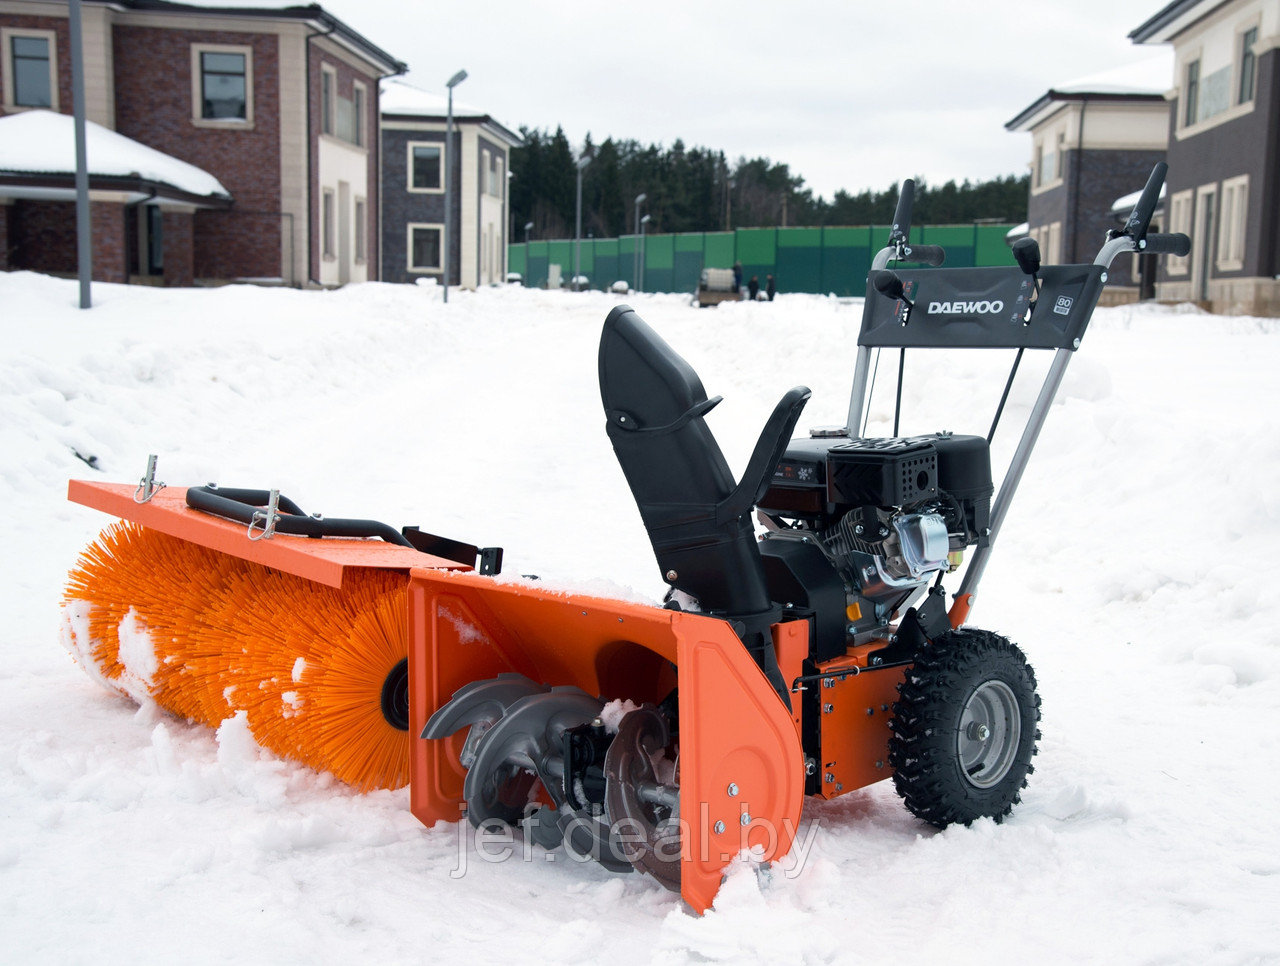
x: 740, y: 758
x: 323, y: 561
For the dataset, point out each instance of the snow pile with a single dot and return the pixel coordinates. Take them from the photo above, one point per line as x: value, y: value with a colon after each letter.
x: 1136, y: 569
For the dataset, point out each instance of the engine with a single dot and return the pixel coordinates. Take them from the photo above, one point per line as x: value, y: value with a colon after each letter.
x: 888, y: 515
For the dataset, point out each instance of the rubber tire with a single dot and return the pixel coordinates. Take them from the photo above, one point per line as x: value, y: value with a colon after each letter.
x: 931, y: 699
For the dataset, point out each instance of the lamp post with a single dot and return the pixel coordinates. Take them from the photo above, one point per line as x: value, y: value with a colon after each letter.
x: 640, y: 199
x: 643, y: 221
x: 581, y: 164
x: 451, y: 83
x: 528, y: 227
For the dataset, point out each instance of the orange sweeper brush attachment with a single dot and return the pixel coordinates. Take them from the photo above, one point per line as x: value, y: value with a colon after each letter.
x: 383, y: 665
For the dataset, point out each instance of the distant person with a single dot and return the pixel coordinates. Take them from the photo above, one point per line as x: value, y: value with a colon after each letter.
x: 753, y: 287
x: 737, y: 279
x: 770, y: 287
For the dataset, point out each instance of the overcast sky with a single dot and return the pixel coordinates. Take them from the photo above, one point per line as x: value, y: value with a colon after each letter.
x: 849, y: 94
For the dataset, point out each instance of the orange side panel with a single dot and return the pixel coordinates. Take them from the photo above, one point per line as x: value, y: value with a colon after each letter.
x: 733, y: 728
x: 740, y: 759
x: 855, y: 722
x: 323, y: 561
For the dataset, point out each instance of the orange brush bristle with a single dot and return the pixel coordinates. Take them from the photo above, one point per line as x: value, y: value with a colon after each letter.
x: 308, y: 663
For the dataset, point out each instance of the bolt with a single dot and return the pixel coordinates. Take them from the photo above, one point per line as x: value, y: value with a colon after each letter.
x: 858, y: 529
x: 884, y: 531
x: 828, y: 682
x: 828, y: 778
x: 1104, y: 274
x: 839, y: 788
x: 851, y: 628
x: 1075, y: 343
x: 733, y: 788
x: 978, y: 732
x: 828, y: 708
x: 810, y: 766
x: 893, y: 638
x: 719, y: 827
x: 745, y: 819
x: 870, y: 712
x: 672, y: 575
x: 879, y: 764
x: 597, y: 723
x: 877, y: 659
x: 884, y: 707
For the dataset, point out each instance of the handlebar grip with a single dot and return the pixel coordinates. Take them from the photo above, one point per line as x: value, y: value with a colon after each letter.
x: 1140, y: 217
x: 1174, y: 244
x: 902, y: 213
x: 933, y: 255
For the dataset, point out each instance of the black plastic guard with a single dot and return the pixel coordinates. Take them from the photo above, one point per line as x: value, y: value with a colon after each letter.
x: 984, y: 308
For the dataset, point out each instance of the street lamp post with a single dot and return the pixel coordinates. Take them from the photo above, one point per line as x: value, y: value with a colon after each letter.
x: 643, y: 221
x: 640, y: 199
x: 581, y: 163
x: 528, y: 227
x: 451, y: 83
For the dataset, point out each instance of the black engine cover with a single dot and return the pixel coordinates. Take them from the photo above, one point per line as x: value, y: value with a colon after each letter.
x: 823, y: 478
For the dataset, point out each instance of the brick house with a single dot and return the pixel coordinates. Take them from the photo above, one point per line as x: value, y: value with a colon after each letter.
x: 279, y: 105
x: 1223, y: 130
x: 1094, y: 140
x: 413, y: 127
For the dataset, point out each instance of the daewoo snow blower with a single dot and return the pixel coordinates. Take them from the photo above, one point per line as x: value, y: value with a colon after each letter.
x: 818, y: 657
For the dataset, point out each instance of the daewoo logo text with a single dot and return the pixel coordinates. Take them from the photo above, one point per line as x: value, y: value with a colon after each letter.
x: 985, y: 307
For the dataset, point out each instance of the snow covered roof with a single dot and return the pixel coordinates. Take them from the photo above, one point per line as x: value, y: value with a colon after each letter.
x: 399, y: 98
x: 1145, y: 80
x: 42, y: 143
x: 1121, y: 207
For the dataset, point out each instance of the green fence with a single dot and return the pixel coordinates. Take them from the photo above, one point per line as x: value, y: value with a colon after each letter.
x: 821, y: 260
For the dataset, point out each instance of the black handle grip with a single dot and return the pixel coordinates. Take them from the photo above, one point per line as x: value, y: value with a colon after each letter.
x: 933, y: 255
x: 1140, y: 217
x: 1174, y: 244
x: 902, y: 214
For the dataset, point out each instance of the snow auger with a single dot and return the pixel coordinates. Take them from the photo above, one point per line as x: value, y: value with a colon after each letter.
x: 811, y: 659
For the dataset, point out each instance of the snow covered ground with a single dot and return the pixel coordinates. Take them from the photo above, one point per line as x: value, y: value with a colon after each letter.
x: 1138, y: 570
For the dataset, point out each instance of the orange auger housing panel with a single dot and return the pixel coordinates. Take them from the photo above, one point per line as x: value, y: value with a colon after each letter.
x: 741, y: 770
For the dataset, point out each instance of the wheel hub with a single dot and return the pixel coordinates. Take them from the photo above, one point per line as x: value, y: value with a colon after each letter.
x: 989, y: 733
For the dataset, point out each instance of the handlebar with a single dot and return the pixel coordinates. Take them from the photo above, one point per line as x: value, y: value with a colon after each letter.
x: 1173, y: 244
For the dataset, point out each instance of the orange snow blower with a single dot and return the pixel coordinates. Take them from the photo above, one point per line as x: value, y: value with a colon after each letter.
x: 813, y: 659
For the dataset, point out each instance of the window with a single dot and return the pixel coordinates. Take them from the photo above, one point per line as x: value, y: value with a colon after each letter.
x: 1179, y: 220
x: 358, y: 98
x: 328, y: 83
x: 326, y: 223
x: 221, y: 85
x: 1231, y: 224
x: 1248, y: 65
x: 1191, y: 94
x: 1061, y: 171
x: 425, y: 167
x: 424, y: 247
x: 32, y: 81
x: 493, y: 174
x: 361, y: 231
x: 30, y: 68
